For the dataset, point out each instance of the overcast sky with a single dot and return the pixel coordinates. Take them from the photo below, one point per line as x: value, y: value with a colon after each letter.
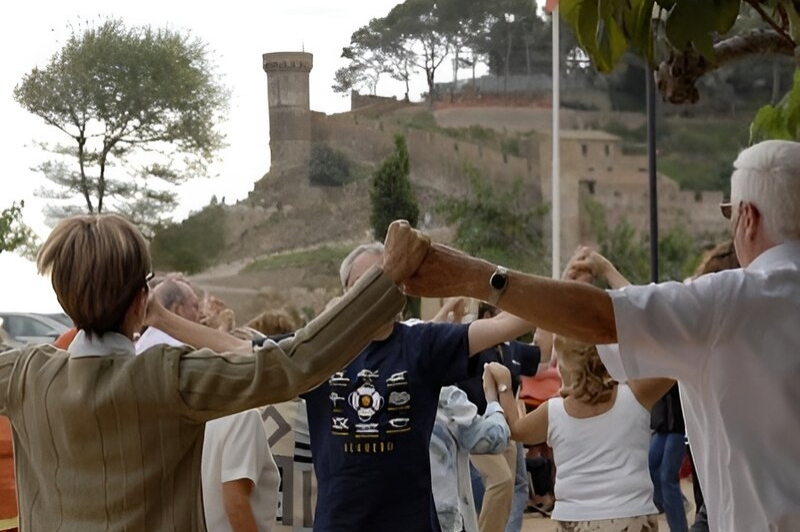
x: 237, y: 33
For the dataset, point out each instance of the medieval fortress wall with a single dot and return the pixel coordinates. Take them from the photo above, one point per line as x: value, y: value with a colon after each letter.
x: 593, y: 165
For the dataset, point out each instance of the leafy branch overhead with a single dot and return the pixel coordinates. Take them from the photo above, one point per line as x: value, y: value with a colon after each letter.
x: 683, y: 39
x: 138, y: 109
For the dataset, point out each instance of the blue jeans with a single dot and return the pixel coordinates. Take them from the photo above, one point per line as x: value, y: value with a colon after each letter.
x: 520, y: 500
x: 477, y: 486
x: 666, y: 457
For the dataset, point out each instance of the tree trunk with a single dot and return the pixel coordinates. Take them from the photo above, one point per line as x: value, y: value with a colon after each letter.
x: 429, y: 75
x: 776, y: 82
x: 508, y: 61
x: 528, y: 57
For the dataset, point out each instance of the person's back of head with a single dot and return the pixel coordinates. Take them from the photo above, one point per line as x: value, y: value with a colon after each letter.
x: 375, y: 248
x: 99, y: 265
x: 722, y: 257
x: 767, y: 175
x: 274, y: 322
x: 176, y: 295
x: 583, y: 374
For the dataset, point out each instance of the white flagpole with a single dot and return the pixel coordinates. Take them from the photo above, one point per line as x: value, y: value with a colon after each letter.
x: 556, y: 159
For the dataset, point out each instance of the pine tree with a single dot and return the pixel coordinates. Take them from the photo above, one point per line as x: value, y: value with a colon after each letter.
x: 391, y: 195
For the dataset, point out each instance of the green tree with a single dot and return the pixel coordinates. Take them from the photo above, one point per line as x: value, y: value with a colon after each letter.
x: 499, y: 226
x: 367, y: 59
x: 391, y: 193
x: 191, y: 245
x: 420, y: 27
x: 629, y: 250
x: 690, y: 38
x: 140, y: 107
x: 14, y: 234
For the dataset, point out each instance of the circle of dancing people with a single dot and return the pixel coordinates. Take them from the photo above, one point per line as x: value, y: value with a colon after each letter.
x: 146, y: 419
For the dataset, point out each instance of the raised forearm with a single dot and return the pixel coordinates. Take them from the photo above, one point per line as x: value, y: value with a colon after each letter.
x: 509, y: 404
x: 197, y: 335
x: 568, y: 308
x: 214, y: 386
x: 487, y: 333
x: 613, y: 277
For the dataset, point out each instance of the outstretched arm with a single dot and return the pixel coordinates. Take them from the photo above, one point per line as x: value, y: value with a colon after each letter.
x: 569, y: 308
x: 192, y: 333
x: 489, y: 332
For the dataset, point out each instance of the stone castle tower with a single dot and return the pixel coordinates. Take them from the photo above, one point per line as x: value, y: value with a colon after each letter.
x: 289, y: 108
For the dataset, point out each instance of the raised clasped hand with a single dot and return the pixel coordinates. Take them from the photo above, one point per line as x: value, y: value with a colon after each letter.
x: 404, y: 250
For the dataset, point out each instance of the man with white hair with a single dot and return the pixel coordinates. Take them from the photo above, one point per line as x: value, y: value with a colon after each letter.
x: 239, y: 476
x: 178, y: 297
x: 371, y: 423
x: 732, y: 340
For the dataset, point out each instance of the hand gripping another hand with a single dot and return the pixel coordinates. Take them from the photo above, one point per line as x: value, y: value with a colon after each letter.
x: 404, y: 250
x: 496, y: 380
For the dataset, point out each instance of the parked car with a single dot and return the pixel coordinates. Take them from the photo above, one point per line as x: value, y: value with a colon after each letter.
x: 61, y: 317
x: 31, y: 328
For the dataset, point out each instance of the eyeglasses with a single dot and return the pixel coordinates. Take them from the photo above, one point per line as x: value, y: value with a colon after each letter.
x: 147, y: 279
x: 726, y: 209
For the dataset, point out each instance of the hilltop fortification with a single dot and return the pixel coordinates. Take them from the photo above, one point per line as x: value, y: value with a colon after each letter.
x: 285, y: 212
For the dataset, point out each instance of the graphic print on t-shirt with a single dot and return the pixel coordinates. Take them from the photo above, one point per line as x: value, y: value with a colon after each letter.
x: 369, y: 409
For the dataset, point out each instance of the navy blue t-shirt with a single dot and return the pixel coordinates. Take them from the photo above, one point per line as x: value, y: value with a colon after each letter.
x: 370, y: 428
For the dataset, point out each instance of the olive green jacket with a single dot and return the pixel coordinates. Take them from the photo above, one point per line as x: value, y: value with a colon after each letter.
x: 114, y: 442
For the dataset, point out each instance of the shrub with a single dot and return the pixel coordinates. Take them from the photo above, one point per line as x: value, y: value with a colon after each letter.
x: 328, y: 167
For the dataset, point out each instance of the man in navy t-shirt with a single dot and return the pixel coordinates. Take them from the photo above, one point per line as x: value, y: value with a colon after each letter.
x: 371, y: 423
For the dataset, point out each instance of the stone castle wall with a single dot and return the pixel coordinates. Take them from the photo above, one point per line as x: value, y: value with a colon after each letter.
x: 437, y: 160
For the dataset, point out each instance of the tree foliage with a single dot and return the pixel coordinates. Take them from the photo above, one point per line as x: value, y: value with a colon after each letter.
x: 14, y: 234
x: 191, y: 245
x: 497, y: 225
x: 686, y: 39
x: 140, y: 108
x: 391, y: 193
x: 421, y: 34
x: 367, y: 59
x: 629, y: 250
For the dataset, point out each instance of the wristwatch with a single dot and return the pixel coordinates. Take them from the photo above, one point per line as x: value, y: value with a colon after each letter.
x: 498, y: 282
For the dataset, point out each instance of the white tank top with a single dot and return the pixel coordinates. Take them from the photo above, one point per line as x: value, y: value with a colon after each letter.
x: 601, y: 461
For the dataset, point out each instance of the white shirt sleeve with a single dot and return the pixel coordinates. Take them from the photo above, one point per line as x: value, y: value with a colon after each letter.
x: 665, y: 330
x: 486, y: 434
x: 244, y: 448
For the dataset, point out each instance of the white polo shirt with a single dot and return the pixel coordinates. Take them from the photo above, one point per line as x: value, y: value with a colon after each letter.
x: 732, y: 340
x: 235, y: 448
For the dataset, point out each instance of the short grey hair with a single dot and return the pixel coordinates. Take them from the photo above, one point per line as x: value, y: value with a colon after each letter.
x: 768, y: 176
x: 172, y: 292
x: 374, y: 248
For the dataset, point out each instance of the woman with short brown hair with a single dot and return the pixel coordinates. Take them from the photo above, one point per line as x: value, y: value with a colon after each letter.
x: 106, y: 440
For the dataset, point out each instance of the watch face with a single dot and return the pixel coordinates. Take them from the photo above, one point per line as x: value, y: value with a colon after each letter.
x: 498, y: 280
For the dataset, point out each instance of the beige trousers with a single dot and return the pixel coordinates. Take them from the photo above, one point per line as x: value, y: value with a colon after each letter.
x: 642, y: 523
x: 498, y: 472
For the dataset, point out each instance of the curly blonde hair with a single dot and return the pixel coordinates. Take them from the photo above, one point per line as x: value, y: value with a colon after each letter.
x: 583, y: 374
x: 720, y: 258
